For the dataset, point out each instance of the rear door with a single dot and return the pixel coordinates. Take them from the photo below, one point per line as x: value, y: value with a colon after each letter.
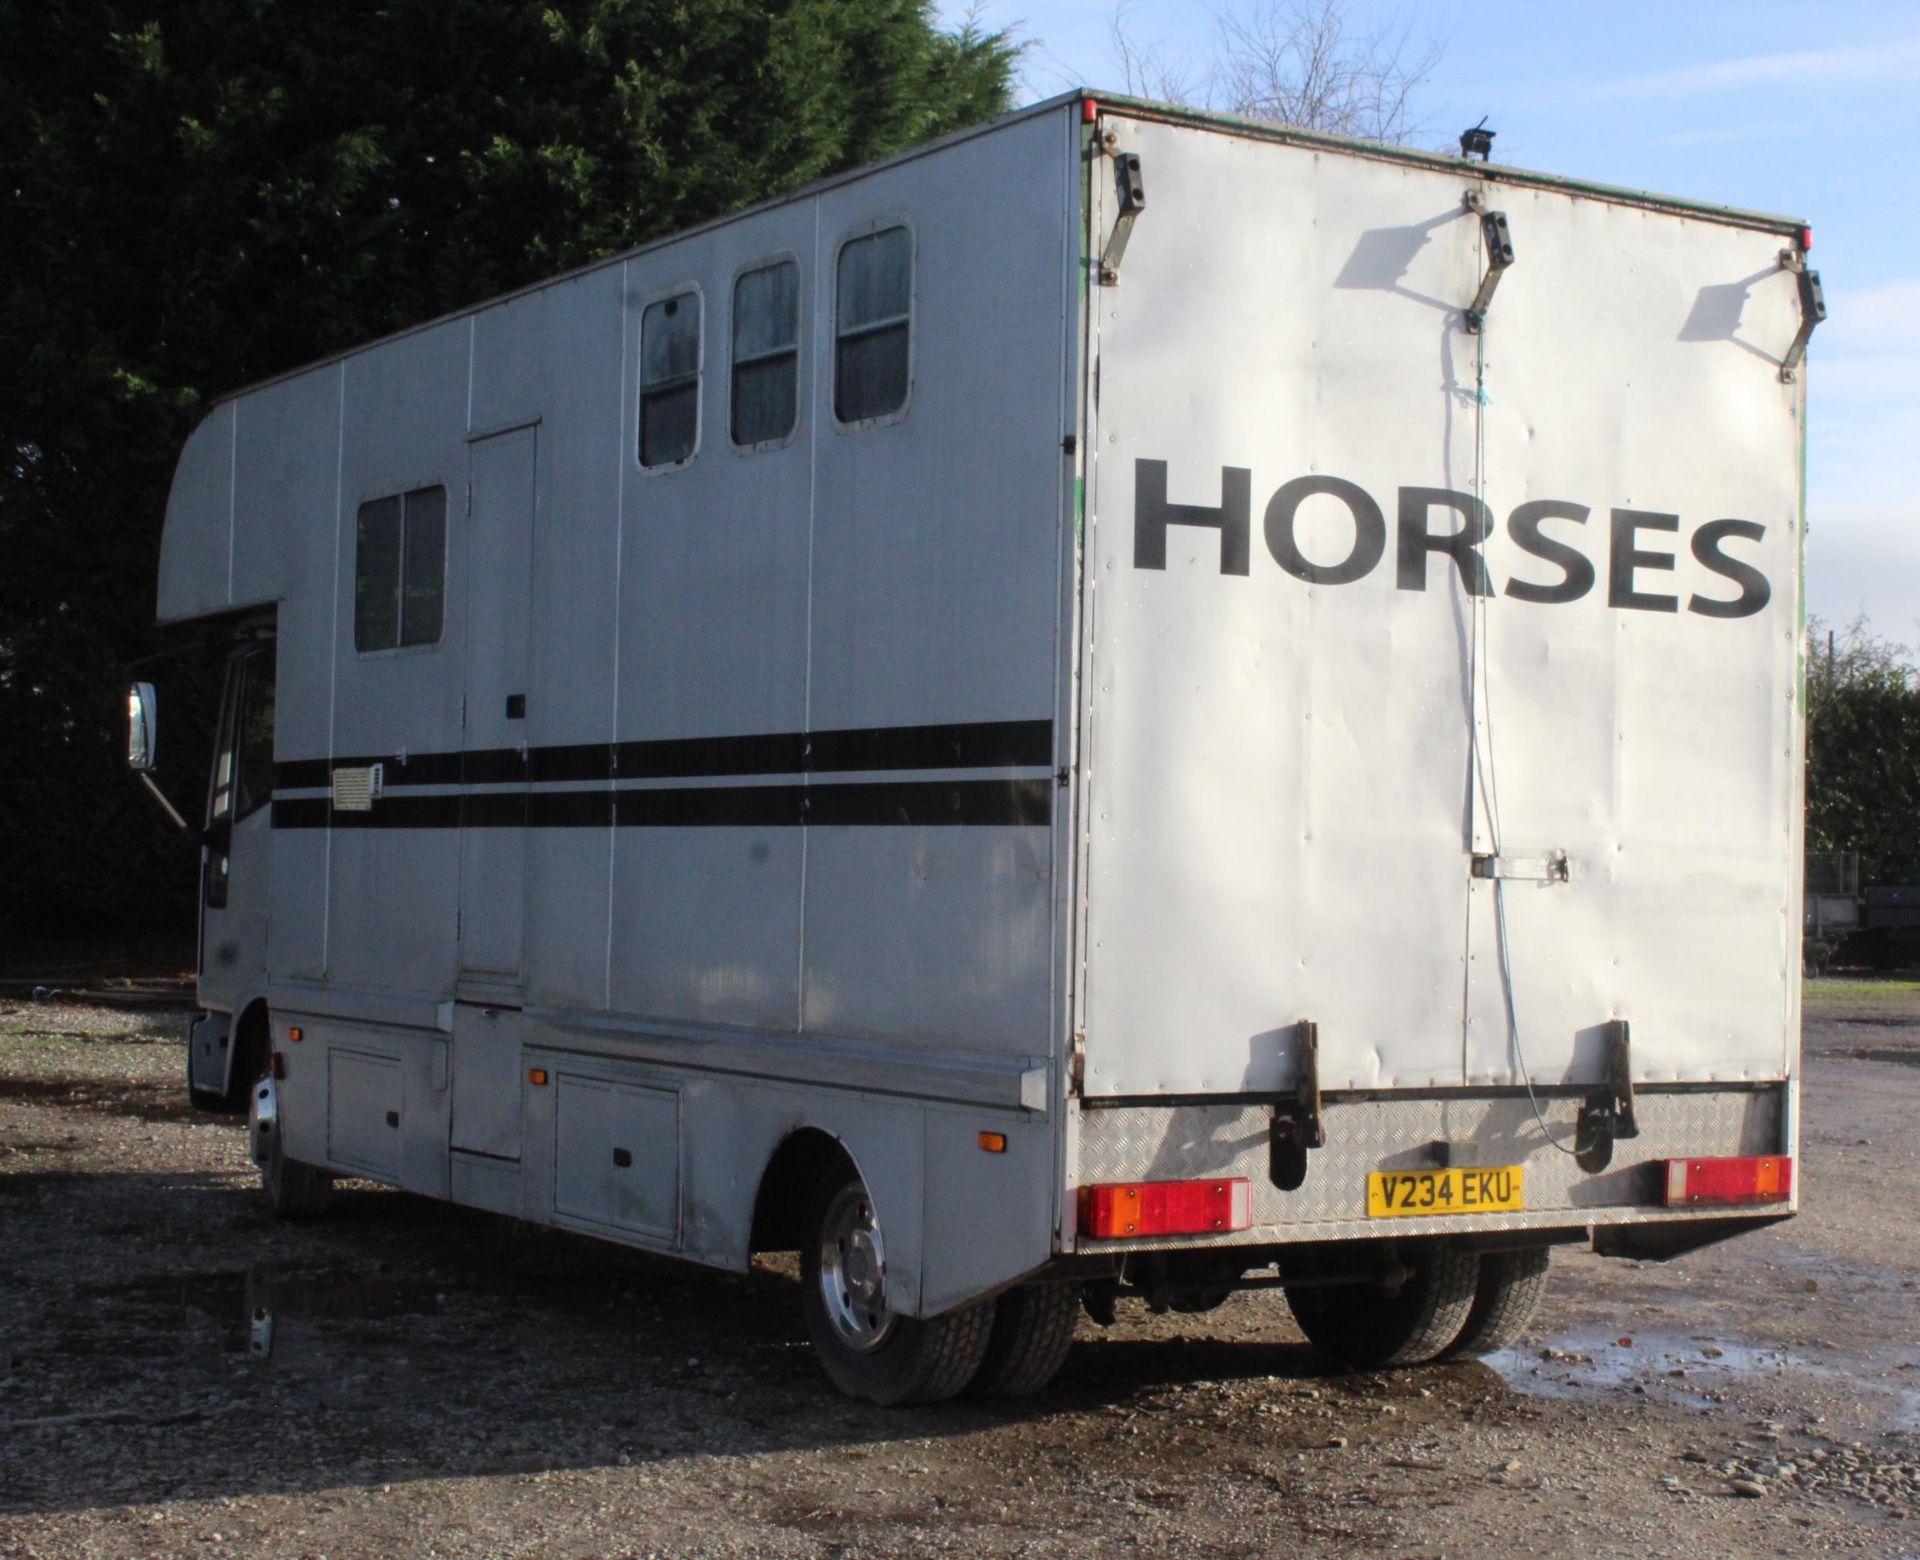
x: 1397, y: 632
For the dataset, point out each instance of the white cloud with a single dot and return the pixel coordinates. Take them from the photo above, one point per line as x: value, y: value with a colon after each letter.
x: 1870, y: 320
x: 1865, y: 560
x: 1895, y: 60
x: 1723, y: 135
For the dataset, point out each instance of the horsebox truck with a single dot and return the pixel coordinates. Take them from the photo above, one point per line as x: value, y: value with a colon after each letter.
x: 1122, y: 705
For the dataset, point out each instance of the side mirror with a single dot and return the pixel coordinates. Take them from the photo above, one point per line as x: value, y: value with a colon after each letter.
x: 143, y: 727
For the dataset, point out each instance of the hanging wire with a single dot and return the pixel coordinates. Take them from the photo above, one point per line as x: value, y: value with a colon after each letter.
x: 1479, y: 713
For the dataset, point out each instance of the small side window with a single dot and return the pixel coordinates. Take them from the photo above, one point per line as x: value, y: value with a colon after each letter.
x: 400, y: 570
x: 253, y: 735
x: 766, y: 353
x: 873, y: 319
x: 670, y: 380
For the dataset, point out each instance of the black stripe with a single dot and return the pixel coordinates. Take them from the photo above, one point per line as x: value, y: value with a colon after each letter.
x: 993, y: 744
x: 720, y: 806
x: 866, y: 804
x: 578, y: 761
x: 782, y: 753
x: 494, y: 766
x: 989, y: 744
x: 302, y: 774
x: 569, y: 809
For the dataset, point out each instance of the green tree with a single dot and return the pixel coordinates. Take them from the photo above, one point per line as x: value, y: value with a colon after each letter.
x: 201, y: 193
x: 1863, y: 751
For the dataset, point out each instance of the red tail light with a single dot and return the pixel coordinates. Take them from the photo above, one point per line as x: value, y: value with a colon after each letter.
x: 1697, y: 1183
x: 1127, y: 1208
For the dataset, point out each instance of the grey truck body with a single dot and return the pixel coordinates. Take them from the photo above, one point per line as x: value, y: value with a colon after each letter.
x: 1000, y: 764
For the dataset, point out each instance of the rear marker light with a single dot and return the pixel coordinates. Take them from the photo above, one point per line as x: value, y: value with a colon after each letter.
x: 993, y: 1142
x: 1114, y: 1212
x: 536, y: 1076
x: 1089, y: 111
x: 1729, y: 1183
x: 296, y: 1035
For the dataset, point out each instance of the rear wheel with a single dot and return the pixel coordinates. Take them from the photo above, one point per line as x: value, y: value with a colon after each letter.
x: 1511, y: 1284
x: 1370, y: 1328
x: 868, y: 1350
x: 1032, y: 1331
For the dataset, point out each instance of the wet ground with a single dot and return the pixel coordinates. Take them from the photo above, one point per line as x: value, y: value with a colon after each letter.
x: 180, y: 1376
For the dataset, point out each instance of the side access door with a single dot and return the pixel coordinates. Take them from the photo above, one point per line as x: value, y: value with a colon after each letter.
x: 235, y: 862
x: 493, y: 807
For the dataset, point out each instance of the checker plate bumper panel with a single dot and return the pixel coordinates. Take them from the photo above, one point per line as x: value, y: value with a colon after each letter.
x: 1186, y: 1142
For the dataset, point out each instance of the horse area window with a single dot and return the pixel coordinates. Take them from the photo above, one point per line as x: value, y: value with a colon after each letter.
x: 670, y: 380
x: 873, y: 319
x: 766, y: 353
x: 400, y: 570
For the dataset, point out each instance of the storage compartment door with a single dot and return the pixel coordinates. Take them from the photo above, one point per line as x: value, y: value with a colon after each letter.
x: 617, y: 1156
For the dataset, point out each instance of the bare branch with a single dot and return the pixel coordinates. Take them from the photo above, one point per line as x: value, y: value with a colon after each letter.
x: 1293, y: 62
x: 1153, y: 68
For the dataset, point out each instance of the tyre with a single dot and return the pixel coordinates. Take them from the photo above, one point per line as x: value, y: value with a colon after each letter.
x: 1369, y: 1328
x: 1511, y: 1284
x: 1032, y: 1331
x: 292, y: 1190
x: 867, y: 1350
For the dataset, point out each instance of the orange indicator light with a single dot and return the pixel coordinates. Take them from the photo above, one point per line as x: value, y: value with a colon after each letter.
x: 993, y: 1142
x: 537, y: 1076
x: 295, y: 1034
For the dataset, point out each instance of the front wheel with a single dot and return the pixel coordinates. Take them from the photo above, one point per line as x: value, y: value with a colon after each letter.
x: 868, y: 1350
x: 292, y: 1190
x: 1371, y: 1328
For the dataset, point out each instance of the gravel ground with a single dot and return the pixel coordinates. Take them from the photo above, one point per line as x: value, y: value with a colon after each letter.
x: 443, y: 1382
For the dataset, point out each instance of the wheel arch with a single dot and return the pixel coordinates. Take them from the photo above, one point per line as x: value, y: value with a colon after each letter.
x: 779, y: 1202
x: 252, y: 1039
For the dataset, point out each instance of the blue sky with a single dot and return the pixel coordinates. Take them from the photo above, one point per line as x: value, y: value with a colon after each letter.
x: 1807, y: 110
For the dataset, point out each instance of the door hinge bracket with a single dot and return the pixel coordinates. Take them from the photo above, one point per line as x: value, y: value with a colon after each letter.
x: 1498, y: 242
x: 1297, y: 1123
x: 1813, y: 310
x: 1132, y: 193
x: 1077, y: 1063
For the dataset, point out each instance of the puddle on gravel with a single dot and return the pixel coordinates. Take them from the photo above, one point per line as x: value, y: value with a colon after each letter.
x: 1874, y: 1053
x: 1693, y: 1370
x: 234, y: 1299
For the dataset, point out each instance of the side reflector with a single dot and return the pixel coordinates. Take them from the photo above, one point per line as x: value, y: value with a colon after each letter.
x: 1697, y: 1183
x: 1165, y: 1208
x: 536, y: 1076
x: 993, y: 1142
x: 296, y: 1035
x: 277, y: 1065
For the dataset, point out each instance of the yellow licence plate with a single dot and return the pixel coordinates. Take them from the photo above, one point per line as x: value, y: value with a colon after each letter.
x: 1492, y: 1189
